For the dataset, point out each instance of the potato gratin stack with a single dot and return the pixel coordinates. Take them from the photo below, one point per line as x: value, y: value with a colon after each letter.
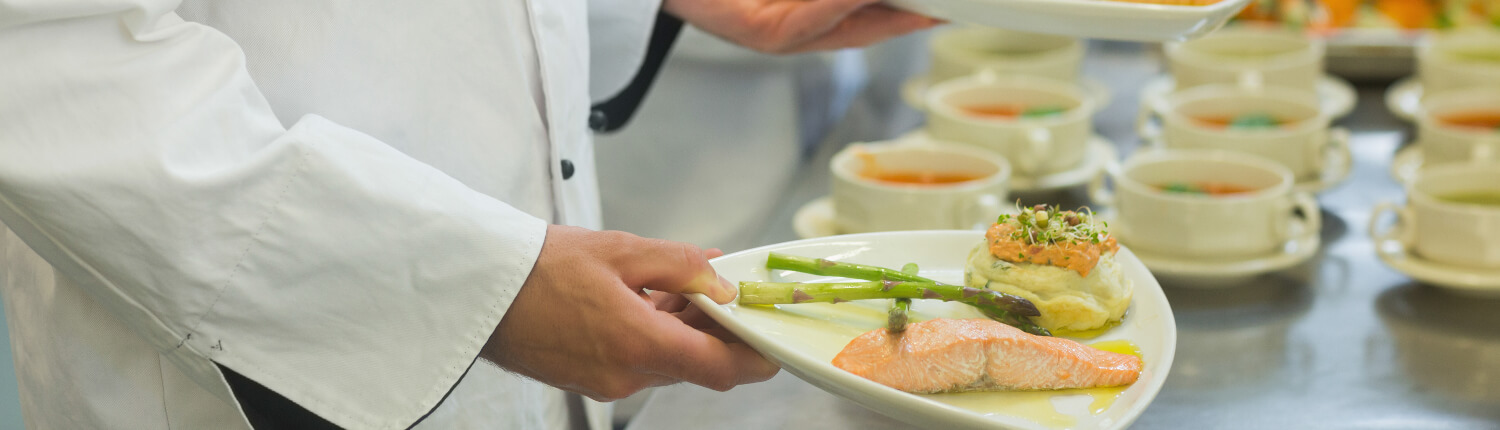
x: 1062, y: 261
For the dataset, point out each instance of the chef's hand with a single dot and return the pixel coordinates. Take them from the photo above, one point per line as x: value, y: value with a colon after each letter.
x: 583, y: 323
x: 788, y: 26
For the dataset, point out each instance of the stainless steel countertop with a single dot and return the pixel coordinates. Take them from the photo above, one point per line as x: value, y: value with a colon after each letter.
x: 1340, y: 342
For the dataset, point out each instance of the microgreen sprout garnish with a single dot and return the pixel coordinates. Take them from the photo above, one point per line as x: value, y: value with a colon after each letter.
x: 1046, y: 225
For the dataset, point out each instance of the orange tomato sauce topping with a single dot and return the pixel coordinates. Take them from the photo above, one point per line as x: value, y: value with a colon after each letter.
x: 1079, y: 256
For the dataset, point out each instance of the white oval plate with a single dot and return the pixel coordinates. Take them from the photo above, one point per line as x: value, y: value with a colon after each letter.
x: 1102, y: 19
x: 804, y: 338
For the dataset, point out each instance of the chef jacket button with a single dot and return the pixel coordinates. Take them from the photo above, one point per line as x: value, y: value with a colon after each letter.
x: 598, y: 121
x: 567, y: 169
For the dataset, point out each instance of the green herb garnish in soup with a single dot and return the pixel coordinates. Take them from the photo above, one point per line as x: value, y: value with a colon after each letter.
x: 1043, y: 111
x: 1254, y: 120
x: 1246, y: 121
x: 1204, y: 188
x: 1013, y: 111
x: 1482, y: 198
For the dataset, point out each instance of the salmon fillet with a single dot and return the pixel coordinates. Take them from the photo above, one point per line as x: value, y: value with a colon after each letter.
x: 951, y: 355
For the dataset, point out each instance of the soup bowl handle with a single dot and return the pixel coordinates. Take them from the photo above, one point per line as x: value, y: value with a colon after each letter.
x: 1102, y: 196
x: 1312, y: 217
x: 979, y: 212
x: 1038, y: 145
x: 1251, y: 80
x: 1399, y: 230
x: 1486, y: 150
x: 1336, y: 155
x: 1148, y: 123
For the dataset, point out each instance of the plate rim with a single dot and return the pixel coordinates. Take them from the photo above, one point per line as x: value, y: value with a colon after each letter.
x: 969, y: 418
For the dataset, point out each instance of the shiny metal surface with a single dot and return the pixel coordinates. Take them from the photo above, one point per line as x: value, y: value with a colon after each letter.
x: 1340, y: 342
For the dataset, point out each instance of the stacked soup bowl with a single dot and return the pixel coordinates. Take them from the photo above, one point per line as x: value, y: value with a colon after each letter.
x: 1254, y: 90
x: 1017, y: 94
x: 1209, y: 218
x: 1237, y: 139
x: 1005, y: 110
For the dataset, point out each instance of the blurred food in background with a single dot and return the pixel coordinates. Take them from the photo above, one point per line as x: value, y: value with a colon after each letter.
x: 1329, y: 16
x: 1372, y: 40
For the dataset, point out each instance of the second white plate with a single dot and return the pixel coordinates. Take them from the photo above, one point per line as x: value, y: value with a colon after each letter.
x: 1099, y: 19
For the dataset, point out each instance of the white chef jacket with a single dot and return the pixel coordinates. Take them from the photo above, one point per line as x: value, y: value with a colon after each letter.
x: 337, y: 200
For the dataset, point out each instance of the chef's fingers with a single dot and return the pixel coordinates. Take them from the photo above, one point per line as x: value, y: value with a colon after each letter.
x: 869, y: 25
x: 672, y: 267
x: 713, y: 253
x: 803, y: 21
x: 694, y: 317
x: 697, y: 357
x: 668, y: 302
x: 622, y: 386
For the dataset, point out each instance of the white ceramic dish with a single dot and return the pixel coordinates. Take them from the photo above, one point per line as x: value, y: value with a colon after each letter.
x: 914, y: 91
x: 1336, y: 96
x: 804, y: 338
x: 815, y: 219
x: 1462, y: 280
x: 1084, y: 18
x: 1224, y: 273
x: 1404, y: 98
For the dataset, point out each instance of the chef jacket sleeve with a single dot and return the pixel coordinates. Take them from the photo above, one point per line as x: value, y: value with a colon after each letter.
x: 139, y: 159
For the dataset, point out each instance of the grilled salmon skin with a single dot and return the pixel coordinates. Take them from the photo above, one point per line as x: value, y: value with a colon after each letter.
x: 953, y: 355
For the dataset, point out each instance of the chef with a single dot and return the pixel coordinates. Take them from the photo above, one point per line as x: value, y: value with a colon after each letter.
x: 303, y: 214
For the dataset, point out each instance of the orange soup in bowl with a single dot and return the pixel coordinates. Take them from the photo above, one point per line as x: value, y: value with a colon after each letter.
x: 1245, y: 121
x: 874, y: 171
x: 921, y: 177
x: 1012, y: 111
x: 1481, y: 119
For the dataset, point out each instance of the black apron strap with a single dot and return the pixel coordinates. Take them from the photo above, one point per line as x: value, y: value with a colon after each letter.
x: 611, y: 115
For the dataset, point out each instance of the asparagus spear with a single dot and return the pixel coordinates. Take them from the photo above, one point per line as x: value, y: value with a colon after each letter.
x: 896, y: 318
x: 1009, y: 303
x: 818, y: 266
x: 998, y: 306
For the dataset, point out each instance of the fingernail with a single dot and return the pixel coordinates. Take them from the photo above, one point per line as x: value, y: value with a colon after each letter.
x: 729, y: 289
x: 715, y: 287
